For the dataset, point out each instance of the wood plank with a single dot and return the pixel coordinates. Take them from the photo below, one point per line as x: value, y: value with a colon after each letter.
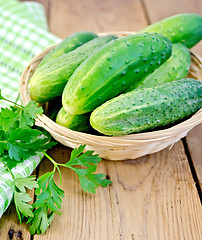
x: 159, y: 9
x: 153, y: 197
x: 10, y: 226
x: 67, y: 17
x: 194, y: 142
x: 148, y: 196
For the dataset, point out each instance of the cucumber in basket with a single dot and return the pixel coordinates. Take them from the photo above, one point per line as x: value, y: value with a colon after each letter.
x: 50, y: 79
x: 112, y: 69
x: 74, y: 122
x: 176, y: 67
x: 185, y: 28
x: 68, y: 44
x: 147, y: 108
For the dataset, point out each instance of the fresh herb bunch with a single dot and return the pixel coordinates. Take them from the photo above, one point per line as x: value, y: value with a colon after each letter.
x: 19, y: 140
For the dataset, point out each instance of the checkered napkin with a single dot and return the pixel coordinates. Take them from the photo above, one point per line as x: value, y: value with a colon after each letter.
x: 23, y: 34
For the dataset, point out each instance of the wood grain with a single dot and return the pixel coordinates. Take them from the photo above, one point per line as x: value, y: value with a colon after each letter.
x: 148, y: 197
x: 153, y: 197
x: 68, y: 16
x: 11, y: 226
x: 159, y: 9
x: 194, y: 142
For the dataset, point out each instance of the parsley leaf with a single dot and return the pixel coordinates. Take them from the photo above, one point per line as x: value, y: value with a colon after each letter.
x: 8, y: 118
x: 51, y: 194
x: 17, y: 138
x: 48, y: 201
x: 28, y: 182
x: 27, y: 114
x: 3, y: 145
x: 19, y: 141
x: 21, y: 198
x: 21, y: 201
x: 89, y: 181
x: 23, y: 143
x: 1, y: 97
x: 24, y: 117
x: 41, y: 220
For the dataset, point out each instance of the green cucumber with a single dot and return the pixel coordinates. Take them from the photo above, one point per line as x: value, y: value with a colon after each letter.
x: 112, y: 69
x: 74, y: 122
x: 175, y: 68
x: 147, y: 108
x: 50, y: 79
x: 68, y: 44
x: 183, y: 28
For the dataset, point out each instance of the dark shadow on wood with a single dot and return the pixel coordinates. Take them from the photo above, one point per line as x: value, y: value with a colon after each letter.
x: 145, y: 11
x: 192, y: 168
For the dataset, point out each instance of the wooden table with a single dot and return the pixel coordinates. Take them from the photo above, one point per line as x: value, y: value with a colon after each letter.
x: 154, y: 197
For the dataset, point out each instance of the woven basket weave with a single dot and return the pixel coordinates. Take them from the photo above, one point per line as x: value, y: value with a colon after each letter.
x: 120, y: 147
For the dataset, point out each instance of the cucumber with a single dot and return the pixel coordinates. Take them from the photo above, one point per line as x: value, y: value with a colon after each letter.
x: 175, y: 68
x: 74, y: 122
x: 147, y: 108
x: 185, y: 28
x: 68, y: 44
x: 50, y: 79
x: 112, y: 69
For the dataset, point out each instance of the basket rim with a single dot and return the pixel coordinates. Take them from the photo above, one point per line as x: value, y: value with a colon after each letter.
x: 146, y: 136
x: 42, y: 120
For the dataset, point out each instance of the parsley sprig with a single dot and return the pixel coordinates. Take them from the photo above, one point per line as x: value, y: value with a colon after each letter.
x: 19, y: 140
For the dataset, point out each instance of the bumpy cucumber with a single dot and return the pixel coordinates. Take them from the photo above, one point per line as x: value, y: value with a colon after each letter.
x: 50, y: 79
x: 176, y: 67
x: 68, y: 44
x: 74, y: 122
x: 144, y: 109
x: 185, y: 28
x: 112, y: 69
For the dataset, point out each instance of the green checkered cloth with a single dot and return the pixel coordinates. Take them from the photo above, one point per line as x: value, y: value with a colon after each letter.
x: 31, y: 11
x: 23, y: 34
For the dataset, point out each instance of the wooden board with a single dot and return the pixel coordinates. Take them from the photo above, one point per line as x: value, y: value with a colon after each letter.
x: 153, y: 197
x: 67, y: 17
x: 159, y: 9
x: 147, y: 200
x: 147, y: 197
x: 10, y: 226
x: 194, y: 142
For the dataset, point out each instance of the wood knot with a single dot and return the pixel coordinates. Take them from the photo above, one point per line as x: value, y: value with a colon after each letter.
x: 19, y: 235
x: 107, y: 177
x: 12, y: 232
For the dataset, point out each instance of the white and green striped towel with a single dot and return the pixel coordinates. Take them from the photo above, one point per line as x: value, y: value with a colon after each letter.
x: 23, y: 34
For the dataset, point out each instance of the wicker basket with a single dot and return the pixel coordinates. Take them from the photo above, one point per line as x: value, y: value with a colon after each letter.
x: 114, y: 148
